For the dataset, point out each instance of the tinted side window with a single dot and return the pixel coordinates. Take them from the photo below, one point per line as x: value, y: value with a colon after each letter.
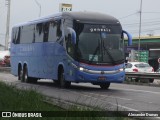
x: 39, y: 34
x: 27, y: 35
x: 46, y: 31
x: 52, y: 31
x: 69, y: 45
x: 55, y: 31
x: 59, y: 31
x: 18, y: 35
x: 15, y: 33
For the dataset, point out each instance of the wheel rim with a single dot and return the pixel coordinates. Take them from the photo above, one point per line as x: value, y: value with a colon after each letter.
x: 21, y: 74
x: 62, y: 79
x: 25, y: 76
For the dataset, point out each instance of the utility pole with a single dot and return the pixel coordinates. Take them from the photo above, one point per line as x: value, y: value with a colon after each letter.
x: 39, y: 5
x: 8, y: 4
x: 140, y: 26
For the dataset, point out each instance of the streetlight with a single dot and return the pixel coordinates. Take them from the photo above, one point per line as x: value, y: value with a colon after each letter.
x: 39, y: 5
x: 8, y: 4
x: 140, y: 25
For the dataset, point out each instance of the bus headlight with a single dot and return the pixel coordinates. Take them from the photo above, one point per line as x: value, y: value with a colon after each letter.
x: 122, y: 69
x: 81, y: 69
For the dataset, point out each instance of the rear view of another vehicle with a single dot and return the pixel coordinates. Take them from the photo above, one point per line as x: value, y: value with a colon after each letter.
x: 139, y: 67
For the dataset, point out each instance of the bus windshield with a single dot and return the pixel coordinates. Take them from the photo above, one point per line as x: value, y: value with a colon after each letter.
x: 99, y: 44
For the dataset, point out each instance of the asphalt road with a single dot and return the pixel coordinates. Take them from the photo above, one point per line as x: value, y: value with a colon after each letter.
x: 119, y: 96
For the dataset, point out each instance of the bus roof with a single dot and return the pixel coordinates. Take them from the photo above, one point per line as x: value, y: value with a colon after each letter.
x: 87, y: 17
x: 39, y: 20
x: 91, y: 17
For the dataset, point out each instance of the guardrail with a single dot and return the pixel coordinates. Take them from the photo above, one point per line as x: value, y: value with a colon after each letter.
x: 142, y: 75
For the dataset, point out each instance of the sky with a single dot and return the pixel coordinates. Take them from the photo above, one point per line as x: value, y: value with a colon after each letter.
x: 127, y: 11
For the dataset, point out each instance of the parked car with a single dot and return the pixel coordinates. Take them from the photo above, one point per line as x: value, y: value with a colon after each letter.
x: 139, y: 67
x: 5, y: 58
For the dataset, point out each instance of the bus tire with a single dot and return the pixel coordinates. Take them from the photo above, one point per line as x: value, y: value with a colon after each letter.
x: 104, y: 85
x: 62, y: 81
x: 26, y: 78
x: 20, y: 73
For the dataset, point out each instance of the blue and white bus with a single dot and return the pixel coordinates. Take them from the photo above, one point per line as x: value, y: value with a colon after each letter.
x: 70, y: 47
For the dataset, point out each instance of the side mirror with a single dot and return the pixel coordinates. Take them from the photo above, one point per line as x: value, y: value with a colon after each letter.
x: 73, y: 34
x: 129, y: 37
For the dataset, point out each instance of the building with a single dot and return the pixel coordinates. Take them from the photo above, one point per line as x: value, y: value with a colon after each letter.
x: 150, y: 44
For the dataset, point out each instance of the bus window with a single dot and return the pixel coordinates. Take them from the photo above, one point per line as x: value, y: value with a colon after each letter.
x: 59, y: 31
x: 18, y: 35
x: 39, y: 32
x: 52, y: 31
x: 46, y: 31
x: 15, y: 35
x: 27, y: 34
x: 69, y: 46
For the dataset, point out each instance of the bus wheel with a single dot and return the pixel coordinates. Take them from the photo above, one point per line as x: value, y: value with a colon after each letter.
x: 25, y: 75
x: 63, y: 83
x: 104, y: 85
x: 20, y: 74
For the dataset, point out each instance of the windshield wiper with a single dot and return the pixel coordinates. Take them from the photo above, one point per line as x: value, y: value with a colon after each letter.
x: 97, y: 48
x: 109, y: 54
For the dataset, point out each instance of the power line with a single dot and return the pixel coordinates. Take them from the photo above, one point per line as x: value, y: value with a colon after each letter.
x: 151, y: 19
x: 145, y: 30
x: 39, y: 5
x: 128, y: 15
x: 152, y: 12
x: 138, y: 13
x: 144, y: 21
x: 144, y: 24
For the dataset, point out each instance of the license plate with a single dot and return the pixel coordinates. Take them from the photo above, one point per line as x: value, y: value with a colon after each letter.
x: 102, y: 78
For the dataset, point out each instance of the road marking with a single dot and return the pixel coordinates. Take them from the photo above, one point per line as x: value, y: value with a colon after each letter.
x: 124, y: 107
x: 140, y: 91
x: 120, y: 106
x: 150, y: 102
x: 110, y: 96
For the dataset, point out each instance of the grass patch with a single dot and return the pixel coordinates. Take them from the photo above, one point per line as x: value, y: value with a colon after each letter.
x: 13, y: 99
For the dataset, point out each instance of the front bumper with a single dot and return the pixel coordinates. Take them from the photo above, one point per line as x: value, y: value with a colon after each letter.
x: 82, y: 76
